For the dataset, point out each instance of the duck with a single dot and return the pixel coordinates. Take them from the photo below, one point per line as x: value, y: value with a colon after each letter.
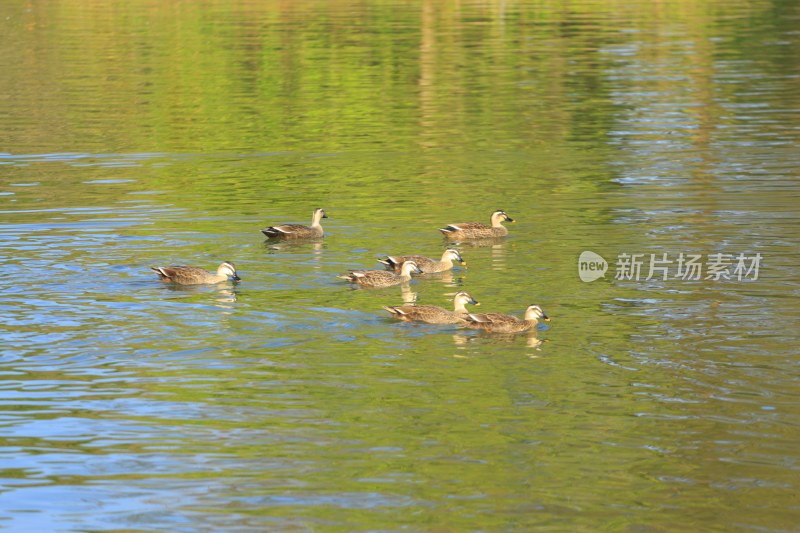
x: 189, y: 275
x: 477, y: 230
x: 433, y: 314
x: 426, y: 264
x: 500, y: 323
x: 298, y: 231
x: 382, y: 278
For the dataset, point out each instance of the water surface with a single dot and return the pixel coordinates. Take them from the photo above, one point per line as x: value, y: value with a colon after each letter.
x: 150, y: 134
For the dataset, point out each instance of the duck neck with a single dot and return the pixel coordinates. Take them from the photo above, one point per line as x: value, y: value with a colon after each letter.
x: 405, y: 273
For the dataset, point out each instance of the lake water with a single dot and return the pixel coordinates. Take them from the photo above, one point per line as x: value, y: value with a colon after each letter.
x: 145, y: 133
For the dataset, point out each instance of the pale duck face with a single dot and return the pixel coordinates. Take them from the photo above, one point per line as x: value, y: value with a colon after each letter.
x: 319, y: 214
x: 534, y: 312
x: 410, y: 267
x: 453, y: 255
x: 464, y: 298
x: 500, y: 216
x: 227, y: 269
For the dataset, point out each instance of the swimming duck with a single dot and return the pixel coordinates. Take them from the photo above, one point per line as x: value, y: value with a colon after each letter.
x: 189, y: 275
x: 500, y: 323
x: 476, y: 230
x: 426, y: 264
x: 298, y: 231
x: 433, y: 314
x: 382, y: 278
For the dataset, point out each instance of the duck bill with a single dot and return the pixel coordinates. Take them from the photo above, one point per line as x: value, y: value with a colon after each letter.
x: 236, y: 278
x: 546, y: 318
x: 474, y: 302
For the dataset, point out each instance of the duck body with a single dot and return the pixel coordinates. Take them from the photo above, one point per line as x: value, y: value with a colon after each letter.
x: 381, y: 278
x: 477, y: 230
x: 502, y: 323
x: 425, y: 264
x: 298, y: 231
x: 189, y: 275
x: 433, y: 314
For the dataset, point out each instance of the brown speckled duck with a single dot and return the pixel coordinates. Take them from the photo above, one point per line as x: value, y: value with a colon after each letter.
x: 189, y: 275
x: 426, y: 264
x: 433, y: 314
x: 476, y: 230
x: 382, y: 278
x: 500, y: 323
x: 298, y: 231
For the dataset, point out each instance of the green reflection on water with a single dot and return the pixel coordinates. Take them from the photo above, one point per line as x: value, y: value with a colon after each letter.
x: 177, y: 131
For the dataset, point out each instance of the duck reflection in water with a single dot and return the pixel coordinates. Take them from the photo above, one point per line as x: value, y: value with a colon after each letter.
x: 462, y: 339
x: 275, y: 246
x: 223, y: 295
x: 482, y: 243
x: 312, y: 248
x: 448, y: 278
x: 409, y: 296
